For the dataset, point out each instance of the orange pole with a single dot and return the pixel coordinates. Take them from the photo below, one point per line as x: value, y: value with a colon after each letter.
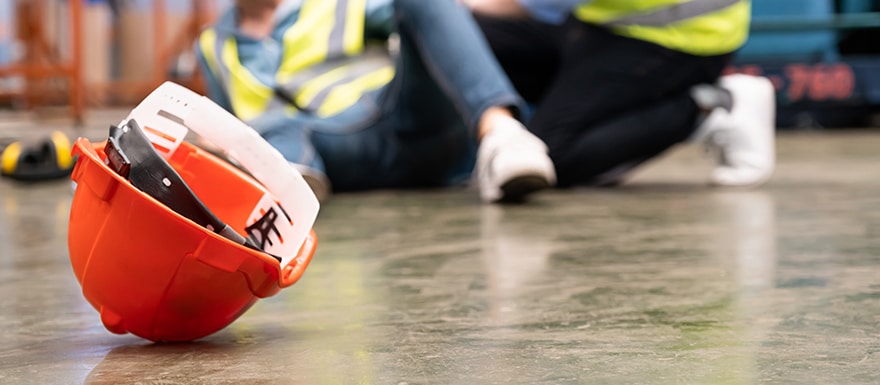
x: 159, y: 34
x: 32, y: 39
x: 41, y: 61
x: 201, y: 16
x: 77, y: 94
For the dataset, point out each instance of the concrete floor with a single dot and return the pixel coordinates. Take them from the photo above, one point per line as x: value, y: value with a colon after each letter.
x: 662, y: 281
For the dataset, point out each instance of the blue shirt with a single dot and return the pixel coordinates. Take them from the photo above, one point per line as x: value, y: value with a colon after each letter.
x: 550, y: 11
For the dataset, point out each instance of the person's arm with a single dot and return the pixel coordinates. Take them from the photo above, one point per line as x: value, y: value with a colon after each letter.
x: 253, y: 21
x: 549, y: 11
x: 256, y: 18
x: 497, y: 8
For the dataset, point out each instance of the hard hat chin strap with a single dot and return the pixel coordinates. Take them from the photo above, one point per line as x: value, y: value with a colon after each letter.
x: 131, y: 155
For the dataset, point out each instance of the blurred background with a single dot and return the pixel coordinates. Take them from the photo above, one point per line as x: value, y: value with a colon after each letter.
x: 71, y: 57
x: 75, y: 56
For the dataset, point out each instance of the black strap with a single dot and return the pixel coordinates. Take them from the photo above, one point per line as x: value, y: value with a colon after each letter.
x: 131, y: 155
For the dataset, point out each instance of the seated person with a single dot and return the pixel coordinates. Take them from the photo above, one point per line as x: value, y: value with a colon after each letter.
x: 617, y: 82
x: 304, y: 75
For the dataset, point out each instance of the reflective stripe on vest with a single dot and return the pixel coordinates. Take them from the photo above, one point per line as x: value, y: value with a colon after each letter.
x: 699, y: 27
x: 247, y: 94
x: 326, y: 30
x: 330, y: 87
x: 322, y: 69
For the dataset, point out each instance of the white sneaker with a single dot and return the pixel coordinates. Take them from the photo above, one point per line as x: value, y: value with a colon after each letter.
x: 512, y: 163
x: 743, y: 138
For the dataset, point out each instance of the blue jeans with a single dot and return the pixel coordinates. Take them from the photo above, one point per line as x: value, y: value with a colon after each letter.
x: 419, y: 130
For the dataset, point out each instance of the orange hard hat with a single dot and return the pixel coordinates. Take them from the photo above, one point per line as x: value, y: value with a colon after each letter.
x: 160, y: 275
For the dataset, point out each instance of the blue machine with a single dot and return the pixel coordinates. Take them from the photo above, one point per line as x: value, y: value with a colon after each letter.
x: 822, y: 57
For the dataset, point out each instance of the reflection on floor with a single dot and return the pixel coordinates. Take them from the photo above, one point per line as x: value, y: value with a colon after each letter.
x: 661, y: 281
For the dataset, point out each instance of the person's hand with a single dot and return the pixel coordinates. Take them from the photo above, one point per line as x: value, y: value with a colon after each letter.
x: 256, y: 8
x: 256, y: 17
x: 497, y: 8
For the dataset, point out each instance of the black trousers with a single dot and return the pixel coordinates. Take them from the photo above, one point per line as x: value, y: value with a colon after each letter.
x: 602, y: 101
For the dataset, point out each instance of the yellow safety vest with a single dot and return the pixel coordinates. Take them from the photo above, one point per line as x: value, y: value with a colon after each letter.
x: 323, y: 69
x: 698, y: 27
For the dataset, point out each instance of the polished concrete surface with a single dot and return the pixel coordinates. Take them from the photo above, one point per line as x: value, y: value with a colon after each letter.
x: 661, y: 281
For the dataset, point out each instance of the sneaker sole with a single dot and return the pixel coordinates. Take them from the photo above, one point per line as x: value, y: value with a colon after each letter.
x: 753, y: 183
x: 516, y: 189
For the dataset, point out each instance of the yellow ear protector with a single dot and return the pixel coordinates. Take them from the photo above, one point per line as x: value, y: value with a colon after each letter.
x: 48, y: 159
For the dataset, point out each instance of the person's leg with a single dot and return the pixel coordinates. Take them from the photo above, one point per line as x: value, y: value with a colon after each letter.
x: 433, y: 144
x: 288, y: 134
x: 443, y: 50
x: 527, y: 49
x: 454, y: 53
x: 412, y: 134
x: 617, y: 101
